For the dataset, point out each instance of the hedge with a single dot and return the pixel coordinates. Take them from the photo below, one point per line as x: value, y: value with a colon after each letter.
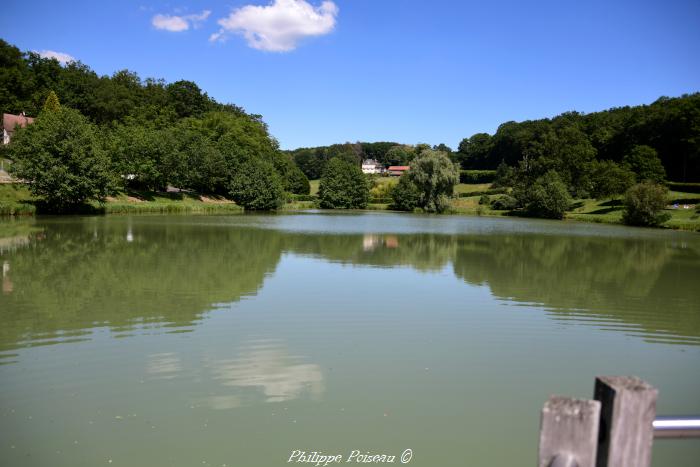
x: 477, y: 176
x: 492, y: 191
x: 684, y: 187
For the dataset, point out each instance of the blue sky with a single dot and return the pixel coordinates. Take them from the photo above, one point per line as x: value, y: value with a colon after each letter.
x: 384, y: 70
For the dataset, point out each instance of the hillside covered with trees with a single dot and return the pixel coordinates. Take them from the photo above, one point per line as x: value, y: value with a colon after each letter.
x: 145, y: 133
x: 669, y: 126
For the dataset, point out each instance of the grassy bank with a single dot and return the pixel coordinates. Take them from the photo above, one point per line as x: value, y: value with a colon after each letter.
x: 682, y: 207
x: 15, y: 199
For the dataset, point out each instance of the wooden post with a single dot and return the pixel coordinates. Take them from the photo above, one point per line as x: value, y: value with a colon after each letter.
x: 626, y: 421
x: 569, y: 432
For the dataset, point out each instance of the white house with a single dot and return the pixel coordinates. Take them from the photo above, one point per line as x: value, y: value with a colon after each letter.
x: 370, y: 166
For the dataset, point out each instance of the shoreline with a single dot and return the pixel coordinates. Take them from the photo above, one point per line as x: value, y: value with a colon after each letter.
x: 20, y: 204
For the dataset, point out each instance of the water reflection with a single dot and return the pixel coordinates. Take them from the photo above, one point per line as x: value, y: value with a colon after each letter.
x: 163, y: 274
x: 7, y: 285
x: 165, y: 365
x: 265, y: 366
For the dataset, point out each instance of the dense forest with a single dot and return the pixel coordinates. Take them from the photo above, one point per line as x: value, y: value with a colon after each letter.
x: 153, y: 133
x: 670, y: 126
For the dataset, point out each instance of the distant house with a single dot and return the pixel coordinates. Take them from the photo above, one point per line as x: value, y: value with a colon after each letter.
x: 10, y: 122
x: 398, y: 170
x: 370, y: 166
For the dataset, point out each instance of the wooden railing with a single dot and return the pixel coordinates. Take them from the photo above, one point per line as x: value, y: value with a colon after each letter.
x: 615, y: 429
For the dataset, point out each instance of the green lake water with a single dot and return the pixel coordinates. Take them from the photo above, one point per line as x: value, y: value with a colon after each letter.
x: 235, y: 340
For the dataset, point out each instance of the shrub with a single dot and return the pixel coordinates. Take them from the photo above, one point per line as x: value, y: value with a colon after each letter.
x: 296, y: 181
x: 485, y: 199
x: 505, y: 175
x: 490, y: 191
x: 547, y: 197
x: 380, y: 192
x: 684, y: 187
x: 504, y: 203
x: 405, y: 195
x: 343, y: 186
x: 257, y: 186
x: 644, y: 203
x: 477, y: 176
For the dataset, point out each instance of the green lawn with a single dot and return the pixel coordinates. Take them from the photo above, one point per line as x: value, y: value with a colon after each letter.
x: 610, y: 211
x: 471, y: 187
x: 314, y: 186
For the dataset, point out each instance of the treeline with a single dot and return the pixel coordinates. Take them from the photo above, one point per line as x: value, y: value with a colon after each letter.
x: 312, y: 161
x: 670, y: 126
x: 145, y: 134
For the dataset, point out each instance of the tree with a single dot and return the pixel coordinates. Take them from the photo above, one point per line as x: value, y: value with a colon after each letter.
x: 547, y: 197
x: 644, y: 161
x: 293, y: 179
x: 187, y: 98
x: 311, y: 161
x: 399, y: 155
x: 343, y: 186
x: 435, y: 176
x: 140, y: 154
x: 405, y: 195
x: 644, y: 203
x: 609, y: 179
x: 505, y: 175
x: 52, y: 104
x: 61, y: 157
x: 257, y: 186
x: 474, y: 152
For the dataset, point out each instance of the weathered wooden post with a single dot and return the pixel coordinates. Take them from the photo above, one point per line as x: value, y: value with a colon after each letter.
x: 569, y: 432
x: 628, y: 408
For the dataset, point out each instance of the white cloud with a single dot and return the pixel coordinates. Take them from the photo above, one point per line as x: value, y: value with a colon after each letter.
x: 279, y: 26
x: 175, y: 23
x: 60, y: 56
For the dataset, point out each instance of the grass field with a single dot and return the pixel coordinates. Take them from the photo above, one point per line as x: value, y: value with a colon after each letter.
x: 314, y: 186
x: 610, y: 211
x: 471, y: 187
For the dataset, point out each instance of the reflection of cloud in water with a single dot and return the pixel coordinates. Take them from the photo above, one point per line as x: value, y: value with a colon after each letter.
x: 224, y: 402
x: 163, y: 365
x: 268, y: 367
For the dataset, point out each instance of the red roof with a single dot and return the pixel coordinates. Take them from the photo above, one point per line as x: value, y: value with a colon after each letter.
x: 399, y: 167
x: 9, y: 121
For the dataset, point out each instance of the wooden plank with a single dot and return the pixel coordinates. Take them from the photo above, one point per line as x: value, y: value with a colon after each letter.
x: 628, y: 408
x: 569, y: 432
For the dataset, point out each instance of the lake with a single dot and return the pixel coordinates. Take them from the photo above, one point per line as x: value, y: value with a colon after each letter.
x: 235, y: 340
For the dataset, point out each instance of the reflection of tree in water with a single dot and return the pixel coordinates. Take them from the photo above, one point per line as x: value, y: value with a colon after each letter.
x: 646, y: 282
x: 77, y: 275
x: 649, y: 283
x: 84, y: 275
